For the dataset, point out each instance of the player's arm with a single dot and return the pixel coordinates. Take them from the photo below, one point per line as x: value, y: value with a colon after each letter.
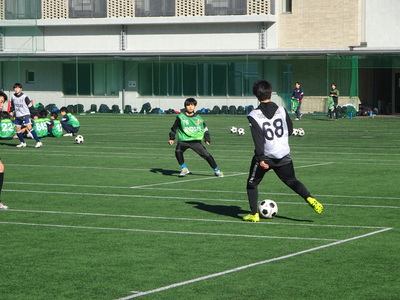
x: 258, y: 139
x: 207, y: 136
x: 289, y: 123
x: 173, y: 131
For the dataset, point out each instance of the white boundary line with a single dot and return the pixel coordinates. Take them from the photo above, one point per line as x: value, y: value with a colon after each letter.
x: 168, y: 231
x: 189, y: 219
x: 139, y: 294
x: 237, y: 174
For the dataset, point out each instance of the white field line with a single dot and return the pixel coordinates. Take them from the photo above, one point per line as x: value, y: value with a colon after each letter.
x: 187, y: 198
x: 168, y: 231
x: 187, y: 219
x: 193, y: 190
x: 139, y: 294
x: 198, y: 179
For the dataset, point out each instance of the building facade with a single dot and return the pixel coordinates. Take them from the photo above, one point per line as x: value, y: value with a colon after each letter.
x: 130, y: 52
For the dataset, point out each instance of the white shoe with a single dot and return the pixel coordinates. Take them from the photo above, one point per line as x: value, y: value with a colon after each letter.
x: 22, y: 145
x: 38, y: 145
x: 2, y: 206
x: 184, y: 172
x: 297, y: 119
x: 29, y: 135
x: 68, y: 134
x: 219, y: 174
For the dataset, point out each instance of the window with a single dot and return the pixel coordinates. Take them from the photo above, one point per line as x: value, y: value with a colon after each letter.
x: 287, y: 6
x: 91, y: 79
x: 30, y: 76
x: 22, y: 9
x: 87, y: 9
x: 154, y: 8
x: 226, y: 7
x: 197, y: 79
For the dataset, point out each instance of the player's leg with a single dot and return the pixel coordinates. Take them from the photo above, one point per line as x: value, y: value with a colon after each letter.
x: 287, y: 175
x: 18, y: 125
x: 181, y: 147
x: 2, y: 206
x: 199, y: 148
x: 33, y: 132
x: 256, y: 174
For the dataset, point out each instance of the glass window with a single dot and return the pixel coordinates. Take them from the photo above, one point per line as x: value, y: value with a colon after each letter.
x: 197, y: 79
x: 226, y: 7
x: 22, y: 9
x: 86, y: 79
x: 219, y: 79
x: 287, y: 6
x: 87, y: 9
x: 154, y: 8
x: 189, y: 79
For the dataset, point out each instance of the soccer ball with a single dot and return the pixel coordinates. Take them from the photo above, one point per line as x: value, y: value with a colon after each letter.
x: 301, y: 132
x: 295, y: 131
x: 79, y: 139
x: 234, y: 129
x: 241, y: 131
x: 268, y: 208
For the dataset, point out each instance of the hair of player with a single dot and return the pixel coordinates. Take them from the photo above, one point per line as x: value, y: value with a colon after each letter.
x: 262, y: 89
x: 189, y: 101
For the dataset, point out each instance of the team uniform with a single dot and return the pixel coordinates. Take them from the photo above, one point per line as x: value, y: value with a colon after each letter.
x: 7, y: 129
x: 191, y: 131
x: 297, y: 101
x: 40, y: 127
x: 70, y: 124
x: 55, y: 128
x: 22, y: 107
x: 271, y: 127
x: 335, y: 98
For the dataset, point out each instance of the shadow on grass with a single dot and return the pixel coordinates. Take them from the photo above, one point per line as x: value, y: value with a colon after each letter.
x: 291, y: 219
x: 10, y: 145
x: 224, y: 210
x: 173, y: 172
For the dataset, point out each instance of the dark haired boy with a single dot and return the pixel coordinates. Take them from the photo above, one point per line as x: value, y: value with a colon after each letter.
x: 191, y: 130
x: 22, y: 108
x: 69, y: 122
x: 271, y: 127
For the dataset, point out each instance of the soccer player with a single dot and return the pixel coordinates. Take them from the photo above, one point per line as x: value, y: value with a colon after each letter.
x: 69, y: 122
x: 7, y: 129
x: 297, y: 96
x: 21, y: 108
x: 271, y: 127
x: 191, y: 130
x: 334, y: 93
x: 54, y: 125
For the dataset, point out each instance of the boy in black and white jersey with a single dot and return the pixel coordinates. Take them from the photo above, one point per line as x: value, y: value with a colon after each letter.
x: 22, y: 108
x: 271, y: 127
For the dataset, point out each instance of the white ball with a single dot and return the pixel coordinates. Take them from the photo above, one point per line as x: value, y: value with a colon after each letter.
x: 268, y: 208
x: 301, y: 132
x: 79, y: 139
x: 295, y: 131
x: 241, y: 131
x: 234, y: 129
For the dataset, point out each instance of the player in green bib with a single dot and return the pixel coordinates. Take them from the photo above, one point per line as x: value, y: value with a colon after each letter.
x: 69, y: 122
x: 7, y: 127
x: 54, y: 125
x: 191, y: 130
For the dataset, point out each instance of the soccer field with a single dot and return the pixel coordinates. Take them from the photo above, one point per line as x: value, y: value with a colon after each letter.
x: 110, y: 218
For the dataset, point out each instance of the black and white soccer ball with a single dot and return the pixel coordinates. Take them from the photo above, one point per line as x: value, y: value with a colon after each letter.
x: 301, y: 132
x: 241, y: 131
x: 233, y: 129
x: 79, y: 139
x: 268, y: 208
x: 295, y: 131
